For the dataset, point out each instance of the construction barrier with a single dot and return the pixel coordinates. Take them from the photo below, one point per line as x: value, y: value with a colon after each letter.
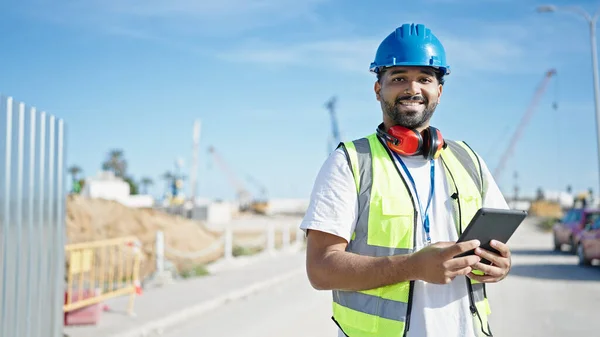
x: 99, y: 270
x: 32, y: 221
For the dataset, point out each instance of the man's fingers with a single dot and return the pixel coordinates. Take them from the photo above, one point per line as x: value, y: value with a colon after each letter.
x: 501, y: 247
x: 463, y: 271
x: 461, y: 262
x: 488, y: 270
x: 492, y: 257
x: 460, y: 248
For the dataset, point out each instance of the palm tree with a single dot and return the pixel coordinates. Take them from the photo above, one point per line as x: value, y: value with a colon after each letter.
x: 74, y: 171
x: 168, y: 176
x: 145, y: 183
x: 116, y: 163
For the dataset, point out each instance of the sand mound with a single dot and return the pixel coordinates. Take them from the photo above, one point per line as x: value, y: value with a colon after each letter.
x: 97, y: 219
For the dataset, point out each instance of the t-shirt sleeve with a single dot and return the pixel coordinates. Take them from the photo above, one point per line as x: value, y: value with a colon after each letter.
x: 333, y: 205
x: 493, y: 196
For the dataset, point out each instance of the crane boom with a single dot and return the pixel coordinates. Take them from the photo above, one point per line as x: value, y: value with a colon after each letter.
x: 524, y: 120
x: 243, y: 194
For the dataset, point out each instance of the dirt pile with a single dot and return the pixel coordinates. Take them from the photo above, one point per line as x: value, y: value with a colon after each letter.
x: 96, y: 219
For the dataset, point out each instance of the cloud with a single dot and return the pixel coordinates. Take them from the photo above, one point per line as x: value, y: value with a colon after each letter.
x: 490, y: 52
x: 341, y: 54
x: 174, y: 17
x: 501, y: 47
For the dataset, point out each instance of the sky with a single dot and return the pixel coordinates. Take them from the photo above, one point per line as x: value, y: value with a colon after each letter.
x: 135, y: 75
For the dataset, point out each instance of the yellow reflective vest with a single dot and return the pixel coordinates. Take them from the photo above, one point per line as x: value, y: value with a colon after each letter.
x: 387, y: 218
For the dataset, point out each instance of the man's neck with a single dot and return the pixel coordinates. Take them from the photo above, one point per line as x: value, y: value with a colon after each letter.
x: 387, y: 125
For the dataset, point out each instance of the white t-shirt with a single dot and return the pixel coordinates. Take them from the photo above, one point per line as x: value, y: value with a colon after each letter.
x: 437, y: 310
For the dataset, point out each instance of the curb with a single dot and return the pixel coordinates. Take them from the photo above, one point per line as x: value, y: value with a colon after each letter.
x: 157, y: 327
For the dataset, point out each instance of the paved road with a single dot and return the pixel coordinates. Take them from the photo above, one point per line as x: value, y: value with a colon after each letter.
x: 292, y: 309
x: 547, y: 294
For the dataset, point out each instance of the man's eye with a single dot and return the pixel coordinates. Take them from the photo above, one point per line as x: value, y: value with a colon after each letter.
x: 397, y: 79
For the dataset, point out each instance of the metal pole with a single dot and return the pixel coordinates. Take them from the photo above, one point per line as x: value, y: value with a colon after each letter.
x: 160, y: 253
x: 193, y: 174
x: 592, y: 24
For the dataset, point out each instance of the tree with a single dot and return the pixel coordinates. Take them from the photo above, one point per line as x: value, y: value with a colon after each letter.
x: 145, y: 182
x: 74, y: 171
x: 116, y: 163
x: 168, y: 177
x: 540, y: 194
x: 133, y: 187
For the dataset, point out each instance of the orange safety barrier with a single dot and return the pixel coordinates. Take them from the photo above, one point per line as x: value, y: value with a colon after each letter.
x: 100, y: 270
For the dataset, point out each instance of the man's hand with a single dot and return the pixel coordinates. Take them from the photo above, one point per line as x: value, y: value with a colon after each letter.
x: 500, y: 266
x: 437, y: 263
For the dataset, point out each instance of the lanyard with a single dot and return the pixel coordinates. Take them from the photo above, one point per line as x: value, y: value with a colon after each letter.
x: 424, y: 214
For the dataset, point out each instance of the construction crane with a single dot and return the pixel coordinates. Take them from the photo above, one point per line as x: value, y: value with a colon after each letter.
x: 524, y: 120
x: 335, y: 132
x: 244, y: 197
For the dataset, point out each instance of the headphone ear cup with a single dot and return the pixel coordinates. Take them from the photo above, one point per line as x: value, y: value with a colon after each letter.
x: 410, y: 141
x: 435, y: 142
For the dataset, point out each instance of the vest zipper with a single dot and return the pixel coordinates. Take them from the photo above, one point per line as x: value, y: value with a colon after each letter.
x: 411, y: 286
x: 472, y: 306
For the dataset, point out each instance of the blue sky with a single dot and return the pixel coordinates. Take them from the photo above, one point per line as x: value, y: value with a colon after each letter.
x: 257, y: 73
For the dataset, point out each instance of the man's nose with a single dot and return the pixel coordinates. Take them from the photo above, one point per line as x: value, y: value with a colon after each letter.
x: 412, y: 88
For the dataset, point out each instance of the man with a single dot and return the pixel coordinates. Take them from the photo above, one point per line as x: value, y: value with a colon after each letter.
x: 386, y: 211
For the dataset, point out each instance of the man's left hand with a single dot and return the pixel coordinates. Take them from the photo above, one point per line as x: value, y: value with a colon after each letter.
x: 499, y: 268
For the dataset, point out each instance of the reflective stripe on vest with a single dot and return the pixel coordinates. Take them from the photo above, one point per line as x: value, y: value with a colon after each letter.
x: 392, y: 213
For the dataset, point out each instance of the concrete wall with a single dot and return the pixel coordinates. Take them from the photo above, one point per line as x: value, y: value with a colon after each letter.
x: 213, y: 213
x: 105, y: 186
x: 287, y: 206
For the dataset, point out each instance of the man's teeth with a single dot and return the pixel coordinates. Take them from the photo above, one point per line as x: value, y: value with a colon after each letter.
x: 410, y: 102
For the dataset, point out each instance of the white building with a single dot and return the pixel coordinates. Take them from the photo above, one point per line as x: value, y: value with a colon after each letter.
x: 106, y: 186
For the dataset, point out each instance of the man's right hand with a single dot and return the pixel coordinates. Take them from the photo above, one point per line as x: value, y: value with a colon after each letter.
x: 436, y: 263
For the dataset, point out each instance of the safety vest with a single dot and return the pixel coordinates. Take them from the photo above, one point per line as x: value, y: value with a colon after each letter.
x: 386, y: 225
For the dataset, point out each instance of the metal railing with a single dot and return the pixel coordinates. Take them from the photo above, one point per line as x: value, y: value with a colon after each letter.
x: 32, y: 221
x: 99, y: 270
x: 266, y: 239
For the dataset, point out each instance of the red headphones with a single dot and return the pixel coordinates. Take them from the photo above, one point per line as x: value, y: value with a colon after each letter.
x: 410, y: 142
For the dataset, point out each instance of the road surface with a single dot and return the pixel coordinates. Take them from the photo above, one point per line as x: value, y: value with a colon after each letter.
x: 547, y: 294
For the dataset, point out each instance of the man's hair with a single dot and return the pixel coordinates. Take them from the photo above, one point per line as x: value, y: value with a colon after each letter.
x: 438, y: 74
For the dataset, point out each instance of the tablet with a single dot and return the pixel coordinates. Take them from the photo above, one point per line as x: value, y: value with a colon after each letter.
x: 492, y: 224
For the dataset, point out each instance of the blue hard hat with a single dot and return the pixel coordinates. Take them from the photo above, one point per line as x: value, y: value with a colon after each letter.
x: 411, y: 45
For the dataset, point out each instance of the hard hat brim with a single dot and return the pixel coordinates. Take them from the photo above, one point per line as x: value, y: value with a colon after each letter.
x: 378, y: 68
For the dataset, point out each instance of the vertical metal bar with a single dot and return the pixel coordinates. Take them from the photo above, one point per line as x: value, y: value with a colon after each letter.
x: 60, y: 229
x: 102, y: 271
x: 92, y: 273
x: 41, y: 229
x: 81, y: 269
x: 31, y: 292
x: 50, y: 220
x: 120, y: 265
x: 70, y: 279
x: 18, y: 220
x: 160, y: 253
x: 6, y: 218
x: 126, y: 272
x: 3, y: 225
x: 111, y: 269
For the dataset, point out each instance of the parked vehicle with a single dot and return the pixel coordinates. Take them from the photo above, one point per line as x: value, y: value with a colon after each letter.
x: 567, y: 231
x: 588, y: 248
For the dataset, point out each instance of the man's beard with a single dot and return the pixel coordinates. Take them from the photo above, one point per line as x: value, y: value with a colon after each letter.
x: 412, y: 119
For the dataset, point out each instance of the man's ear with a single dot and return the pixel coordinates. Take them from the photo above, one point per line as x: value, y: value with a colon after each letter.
x: 441, y: 88
x: 377, y: 89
